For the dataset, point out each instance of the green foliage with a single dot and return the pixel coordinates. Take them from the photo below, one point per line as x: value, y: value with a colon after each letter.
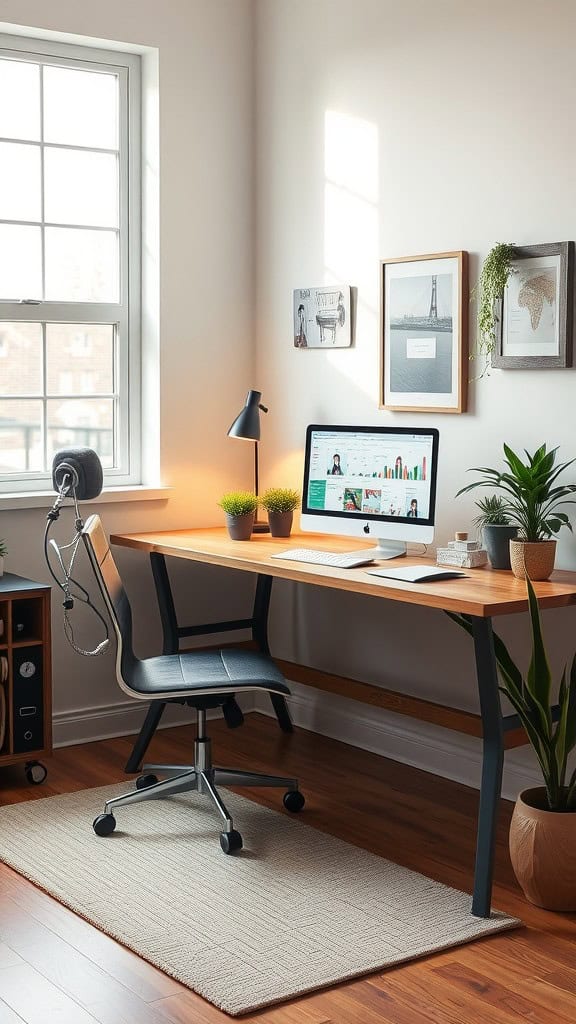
x: 530, y: 497
x: 494, y: 276
x: 280, y: 499
x: 3, y: 548
x: 491, y: 512
x: 238, y: 503
x: 553, y: 736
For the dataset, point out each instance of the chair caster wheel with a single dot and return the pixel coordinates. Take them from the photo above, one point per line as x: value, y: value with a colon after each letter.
x: 231, y: 841
x: 144, y: 781
x: 293, y: 800
x: 35, y: 773
x: 104, y: 824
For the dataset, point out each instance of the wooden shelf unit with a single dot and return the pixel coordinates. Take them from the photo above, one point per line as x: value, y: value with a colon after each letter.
x: 25, y: 613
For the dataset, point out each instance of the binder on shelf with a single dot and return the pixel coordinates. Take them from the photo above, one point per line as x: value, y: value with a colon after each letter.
x: 3, y: 717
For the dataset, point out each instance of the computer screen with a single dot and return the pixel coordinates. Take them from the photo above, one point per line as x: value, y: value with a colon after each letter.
x: 372, y: 481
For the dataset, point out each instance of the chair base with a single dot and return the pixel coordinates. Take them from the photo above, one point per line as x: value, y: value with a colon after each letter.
x: 201, y: 777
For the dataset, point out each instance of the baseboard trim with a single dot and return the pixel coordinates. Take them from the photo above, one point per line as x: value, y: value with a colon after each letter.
x: 431, y: 748
x: 110, y: 720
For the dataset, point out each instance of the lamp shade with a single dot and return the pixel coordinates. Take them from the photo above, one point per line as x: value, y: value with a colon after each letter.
x: 247, y: 423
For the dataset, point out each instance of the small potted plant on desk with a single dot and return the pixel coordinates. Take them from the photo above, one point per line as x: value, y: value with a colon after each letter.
x: 3, y: 553
x: 240, y: 510
x: 543, y: 826
x: 497, y: 530
x: 280, y: 503
x: 531, y: 499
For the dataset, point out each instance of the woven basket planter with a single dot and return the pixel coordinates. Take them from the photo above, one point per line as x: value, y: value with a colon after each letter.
x: 542, y: 852
x: 535, y: 560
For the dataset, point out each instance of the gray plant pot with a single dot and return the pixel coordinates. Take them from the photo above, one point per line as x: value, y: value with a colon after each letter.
x: 280, y: 523
x: 240, y: 527
x: 496, y: 540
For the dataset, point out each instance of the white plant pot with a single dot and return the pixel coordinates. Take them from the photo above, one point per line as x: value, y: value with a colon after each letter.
x: 1, y: 566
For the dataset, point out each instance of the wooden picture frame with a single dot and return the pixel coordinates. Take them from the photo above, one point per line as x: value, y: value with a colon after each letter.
x: 534, y: 324
x: 424, y: 332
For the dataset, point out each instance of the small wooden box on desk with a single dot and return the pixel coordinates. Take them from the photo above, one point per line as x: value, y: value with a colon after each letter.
x: 25, y: 675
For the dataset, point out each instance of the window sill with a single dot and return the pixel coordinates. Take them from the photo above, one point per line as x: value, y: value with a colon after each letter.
x: 45, y: 499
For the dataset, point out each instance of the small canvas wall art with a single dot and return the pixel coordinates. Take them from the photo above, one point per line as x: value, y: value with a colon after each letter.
x: 322, y: 317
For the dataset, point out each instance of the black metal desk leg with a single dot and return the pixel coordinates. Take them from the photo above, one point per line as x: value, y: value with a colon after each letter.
x: 171, y: 643
x: 492, y: 764
x: 149, y: 726
x: 260, y: 635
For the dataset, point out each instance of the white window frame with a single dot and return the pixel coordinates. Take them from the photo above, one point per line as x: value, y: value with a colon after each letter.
x: 127, y: 312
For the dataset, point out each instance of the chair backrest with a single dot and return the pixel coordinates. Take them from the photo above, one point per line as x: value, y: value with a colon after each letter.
x: 114, y: 595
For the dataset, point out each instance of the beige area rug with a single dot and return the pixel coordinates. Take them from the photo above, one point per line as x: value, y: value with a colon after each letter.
x: 296, y: 910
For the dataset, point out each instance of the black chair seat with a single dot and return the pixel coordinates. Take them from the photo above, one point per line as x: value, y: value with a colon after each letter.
x: 227, y: 670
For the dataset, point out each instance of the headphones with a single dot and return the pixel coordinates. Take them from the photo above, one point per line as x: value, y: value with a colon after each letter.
x: 76, y: 474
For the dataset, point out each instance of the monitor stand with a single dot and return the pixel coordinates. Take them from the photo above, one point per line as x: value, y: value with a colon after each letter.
x: 387, y: 549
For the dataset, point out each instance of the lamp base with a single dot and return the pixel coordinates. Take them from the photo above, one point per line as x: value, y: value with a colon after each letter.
x: 260, y: 528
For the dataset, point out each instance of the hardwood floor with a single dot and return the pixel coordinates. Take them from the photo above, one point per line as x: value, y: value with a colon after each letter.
x: 57, y: 969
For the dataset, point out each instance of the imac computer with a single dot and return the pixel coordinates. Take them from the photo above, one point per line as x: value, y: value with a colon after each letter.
x: 371, y: 482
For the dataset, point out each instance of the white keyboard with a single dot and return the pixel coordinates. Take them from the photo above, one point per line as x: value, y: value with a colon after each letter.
x: 338, y: 560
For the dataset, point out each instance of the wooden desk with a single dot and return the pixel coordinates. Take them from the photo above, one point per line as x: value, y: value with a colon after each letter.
x: 483, y: 595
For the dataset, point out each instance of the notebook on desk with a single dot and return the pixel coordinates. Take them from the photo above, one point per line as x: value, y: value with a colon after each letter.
x: 418, y: 573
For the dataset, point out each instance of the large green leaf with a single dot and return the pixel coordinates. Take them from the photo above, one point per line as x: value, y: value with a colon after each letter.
x: 539, y: 676
x: 561, y: 731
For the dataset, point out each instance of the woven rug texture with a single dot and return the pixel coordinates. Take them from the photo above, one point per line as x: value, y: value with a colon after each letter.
x: 296, y: 910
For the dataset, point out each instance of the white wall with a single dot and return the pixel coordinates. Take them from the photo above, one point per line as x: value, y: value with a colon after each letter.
x: 204, y: 52
x: 452, y: 125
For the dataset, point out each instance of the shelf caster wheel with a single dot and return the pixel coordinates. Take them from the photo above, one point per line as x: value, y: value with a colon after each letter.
x: 293, y: 800
x: 104, y: 824
x: 231, y: 841
x: 35, y: 773
x: 144, y: 781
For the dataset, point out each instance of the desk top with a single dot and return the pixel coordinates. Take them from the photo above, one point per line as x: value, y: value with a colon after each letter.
x: 483, y: 593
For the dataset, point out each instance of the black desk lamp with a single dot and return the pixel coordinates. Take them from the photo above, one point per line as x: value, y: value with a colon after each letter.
x: 247, y: 427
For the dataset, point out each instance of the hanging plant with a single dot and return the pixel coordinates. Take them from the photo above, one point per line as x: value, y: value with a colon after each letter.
x: 494, y: 276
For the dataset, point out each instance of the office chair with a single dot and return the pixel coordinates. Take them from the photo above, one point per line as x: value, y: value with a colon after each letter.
x: 201, y: 679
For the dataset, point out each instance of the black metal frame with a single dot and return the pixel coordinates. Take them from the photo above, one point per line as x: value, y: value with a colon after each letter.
x: 494, y: 724
x: 173, y: 634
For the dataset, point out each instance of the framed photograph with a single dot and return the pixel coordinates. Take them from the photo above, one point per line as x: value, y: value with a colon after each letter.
x: 322, y: 317
x: 424, y: 322
x: 534, y: 319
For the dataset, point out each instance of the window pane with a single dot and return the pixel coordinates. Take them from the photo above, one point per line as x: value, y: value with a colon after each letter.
x: 20, y: 262
x: 85, y: 421
x: 19, y: 100
x: 81, y: 266
x: 81, y: 188
x: 19, y: 181
x: 80, y: 107
x: 20, y: 359
x: 80, y: 359
x: 20, y: 436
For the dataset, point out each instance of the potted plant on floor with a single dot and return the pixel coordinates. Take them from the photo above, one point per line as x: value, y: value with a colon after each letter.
x: 280, y: 503
x: 3, y: 553
x: 496, y: 530
x: 543, y: 826
x: 531, y: 499
x: 240, y: 510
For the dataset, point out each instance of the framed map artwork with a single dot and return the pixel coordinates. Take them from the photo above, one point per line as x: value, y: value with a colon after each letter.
x: 535, y: 316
